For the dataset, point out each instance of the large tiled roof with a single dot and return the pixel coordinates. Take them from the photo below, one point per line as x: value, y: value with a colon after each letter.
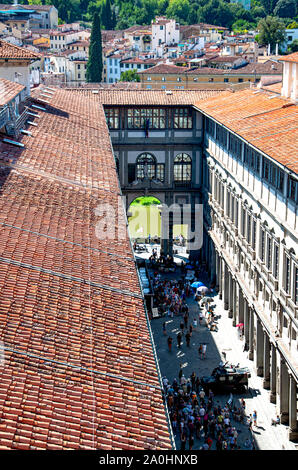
x: 265, y: 120
x: 79, y: 364
x: 122, y: 97
x: 10, y: 51
x: 290, y: 58
x: 164, y: 68
x: 9, y: 90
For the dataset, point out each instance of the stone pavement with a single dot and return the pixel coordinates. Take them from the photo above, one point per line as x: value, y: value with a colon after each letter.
x: 266, y: 436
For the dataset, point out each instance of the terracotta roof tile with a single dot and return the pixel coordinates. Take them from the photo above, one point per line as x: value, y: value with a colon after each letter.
x: 9, y: 90
x: 79, y: 358
x: 10, y: 51
x: 265, y: 120
x: 290, y: 58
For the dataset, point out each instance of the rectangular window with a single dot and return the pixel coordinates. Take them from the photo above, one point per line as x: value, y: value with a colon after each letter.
x: 262, y: 244
x: 292, y: 189
x: 248, y: 232
x: 236, y: 212
x: 235, y: 146
x: 210, y: 126
x: 112, y: 116
x: 160, y: 171
x: 287, y: 274
x: 269, y: 253
x: 151, y: 118
x: 295, y: 290
x: 251, y: 159
x: 183, y: 118
x: 276, y: 261
x: 254, y: 234
x: 221, y: 135
x: 228, y: 203
x: 243, y: 222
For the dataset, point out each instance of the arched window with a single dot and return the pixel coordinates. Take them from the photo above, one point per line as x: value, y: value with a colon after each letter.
x: 182, y: 168
x: 146, y: 166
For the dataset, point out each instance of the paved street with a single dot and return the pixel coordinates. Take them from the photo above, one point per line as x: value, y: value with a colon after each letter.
x: 266, y: 436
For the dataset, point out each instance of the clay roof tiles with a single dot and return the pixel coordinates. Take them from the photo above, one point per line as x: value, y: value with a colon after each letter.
x: 265, y: 120
x: 79, y: 367
x: 9, y: 90
x: 10, y: 51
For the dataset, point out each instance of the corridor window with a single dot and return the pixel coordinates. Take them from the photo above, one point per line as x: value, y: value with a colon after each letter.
x: 112, y: 117
x: 251, y: 158
x: 287, y: 274
x: 276, y: 261
x: 273, y: 175
x: 146, y: 166
x: 235, y: 146
x: 182, y: 168
x: 292, y: 189
x: 152, y: 118
x: 183, y: 118
x: 221, y: 135
x: 210, y: 126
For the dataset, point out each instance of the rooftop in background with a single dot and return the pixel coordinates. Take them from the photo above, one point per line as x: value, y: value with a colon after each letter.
x: 290, y: 58
x: 9, y: 90
x: 71, y: 313
x: 122, y: 97
x: 10, y: 51
x: 265, y: 120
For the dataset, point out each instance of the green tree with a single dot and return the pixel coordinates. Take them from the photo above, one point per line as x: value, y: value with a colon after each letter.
x: 179, y: 10
x: 293, y: 47
x: 286, y: 8
x: 271, y: 31
x: 269, y: 6
x: 94, y: 64
x: 130, y: 76
x: 217, y: 12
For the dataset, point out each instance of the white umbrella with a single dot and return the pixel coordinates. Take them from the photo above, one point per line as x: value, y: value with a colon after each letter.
x: 203, y: 289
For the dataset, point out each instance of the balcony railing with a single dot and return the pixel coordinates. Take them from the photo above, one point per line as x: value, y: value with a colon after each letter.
x: 15, y: 126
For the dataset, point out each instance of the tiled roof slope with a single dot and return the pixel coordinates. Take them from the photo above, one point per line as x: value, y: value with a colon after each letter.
x: 79, y: 365
x: 290, y: 58
x: 10, y: 51
x: 266, y: 121
x: 149, y: 97
x: 9, y: 90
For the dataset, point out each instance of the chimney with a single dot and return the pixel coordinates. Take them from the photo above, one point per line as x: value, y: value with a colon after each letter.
x: 290, y: 77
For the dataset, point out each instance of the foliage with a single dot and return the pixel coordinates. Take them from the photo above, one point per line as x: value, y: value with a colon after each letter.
x: 293, y: 47
x: 286, y: 8
x: 121, y: 14
x: 130, y: 76
x: 271, y: 31
x: 293, y: 25
x: 94, y: 64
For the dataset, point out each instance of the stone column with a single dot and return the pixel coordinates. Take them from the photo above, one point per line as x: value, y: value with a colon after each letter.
x: 260, y: 349
x: 230, y: 296
x: 251, y: 334
x: 284, y: 393
x: 240, y: 307
x: 226, y: 286
x: 273, y: 375
x: 220, y: 280
x: 266, y: 361
x: 293, y: 431
x: 235, y: 301
x: 246, y: 321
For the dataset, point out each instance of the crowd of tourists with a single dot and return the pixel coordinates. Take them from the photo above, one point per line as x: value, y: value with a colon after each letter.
x: 196, y: 415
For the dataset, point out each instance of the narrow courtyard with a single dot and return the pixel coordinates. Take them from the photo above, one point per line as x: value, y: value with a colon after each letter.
x: 225, y: 342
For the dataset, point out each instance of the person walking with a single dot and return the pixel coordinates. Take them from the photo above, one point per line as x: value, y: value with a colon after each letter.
x: 182, y: 327
x: 254, y: 417
x: 187, y: 338
x: 164, y: 328
x: 204, y: 349
x: 200, y: 350
x: 170, y: 340
x: 180, y: 372
x: 195, y: 324
x: 179, y: 339
x: 183, y: 441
